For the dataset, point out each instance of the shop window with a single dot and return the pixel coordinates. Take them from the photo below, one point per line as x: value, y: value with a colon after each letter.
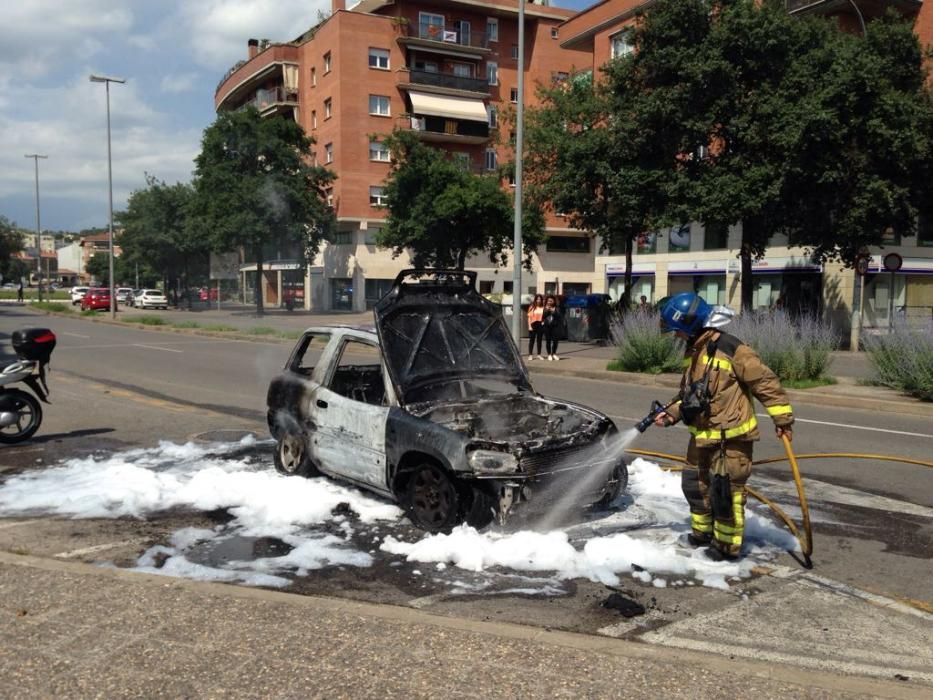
x: 379, y: 59
x: 716, y: 237
x: 568, y: 244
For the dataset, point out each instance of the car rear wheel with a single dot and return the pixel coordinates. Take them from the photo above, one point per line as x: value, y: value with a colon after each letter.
x: 291, y: 456
x: 615, y: 485
x: 432, y: 498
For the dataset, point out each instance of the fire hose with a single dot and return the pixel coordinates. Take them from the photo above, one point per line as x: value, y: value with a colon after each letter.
x: 806, y: 537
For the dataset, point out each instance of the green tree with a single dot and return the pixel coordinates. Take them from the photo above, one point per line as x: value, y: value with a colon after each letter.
x: 443, y: 214
x: 254, y: 186
x: 98, y: 267
x: 11, y: 241
x: 158, y: 239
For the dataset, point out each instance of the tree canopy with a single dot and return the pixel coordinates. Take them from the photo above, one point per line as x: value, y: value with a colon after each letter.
x: 11, y: 241
x: 254, y: 185
x: 443, y: 214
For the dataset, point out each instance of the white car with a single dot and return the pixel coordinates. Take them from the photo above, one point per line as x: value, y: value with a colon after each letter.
x: 151, y: 299
x: 77, y: 294
x: 124, y: 295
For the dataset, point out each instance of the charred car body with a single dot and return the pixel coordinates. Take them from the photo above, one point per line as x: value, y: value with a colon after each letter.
x: 434, y: 409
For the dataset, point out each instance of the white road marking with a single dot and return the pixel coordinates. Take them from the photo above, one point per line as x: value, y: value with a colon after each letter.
x: 856, y: 427
x: 155, y: 347
x: 76, y: 335
x: 96, y: 548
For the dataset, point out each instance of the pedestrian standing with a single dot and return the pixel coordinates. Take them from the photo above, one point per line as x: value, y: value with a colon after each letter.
x: 721, y: 374
x: 535, y: 327
x: 551, y: 322
x: 19, y: 291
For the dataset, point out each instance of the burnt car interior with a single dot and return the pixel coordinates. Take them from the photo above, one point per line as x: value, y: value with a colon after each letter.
x: 356, y: 380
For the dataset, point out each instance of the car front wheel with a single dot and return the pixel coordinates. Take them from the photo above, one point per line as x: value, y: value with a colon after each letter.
x: 432, y: 498
x: 615, y: 485
x: 291, y: 456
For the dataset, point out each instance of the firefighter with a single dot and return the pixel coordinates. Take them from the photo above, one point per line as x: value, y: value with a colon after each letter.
x: 721, y: 374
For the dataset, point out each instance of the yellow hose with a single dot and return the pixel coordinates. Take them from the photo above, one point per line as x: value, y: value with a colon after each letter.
x: 806, y: 542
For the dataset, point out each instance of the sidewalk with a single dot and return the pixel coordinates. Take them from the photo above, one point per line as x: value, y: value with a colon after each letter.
x: 75, y: 630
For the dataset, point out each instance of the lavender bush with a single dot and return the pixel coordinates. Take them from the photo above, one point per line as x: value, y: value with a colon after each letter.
x: 794, y: 348
x: 903, y: 359
x: 642, y: 346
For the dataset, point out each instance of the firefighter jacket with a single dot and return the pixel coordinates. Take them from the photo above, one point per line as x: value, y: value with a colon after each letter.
x: 736, y: 374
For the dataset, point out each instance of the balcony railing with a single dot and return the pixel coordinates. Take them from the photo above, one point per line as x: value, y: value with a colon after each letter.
x: 449, y: 127
x: 268, y: 97
x: 448, y: 80
x: 453, y: 34
x: 233, y: 69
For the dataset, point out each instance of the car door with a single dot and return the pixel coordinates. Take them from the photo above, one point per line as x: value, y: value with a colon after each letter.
x: 349, y: 412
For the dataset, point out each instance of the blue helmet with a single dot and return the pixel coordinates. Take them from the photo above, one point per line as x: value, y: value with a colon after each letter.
x: 686, y: 312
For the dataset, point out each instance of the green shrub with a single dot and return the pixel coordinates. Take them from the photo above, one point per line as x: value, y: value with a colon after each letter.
x: 642, y: 347
x: 89, y: 312
x: 903, y: 359
x: 219, y: 328
x: 796, y: 349
x: 146, y: 320
x: 261, y: 330
x: 186, y: 324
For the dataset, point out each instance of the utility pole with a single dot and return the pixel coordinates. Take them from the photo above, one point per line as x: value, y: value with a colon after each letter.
x: 35, y: 157
x: 106, y: 81
x: 517, y: 242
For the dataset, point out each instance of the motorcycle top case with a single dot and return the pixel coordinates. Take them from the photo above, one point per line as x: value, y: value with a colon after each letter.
x: 34, y: 344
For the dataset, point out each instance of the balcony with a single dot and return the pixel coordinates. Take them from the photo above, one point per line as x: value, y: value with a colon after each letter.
x: 870, y: 9
x: 447, y: 130
x: 445, y: 81
x: 268, y: 100
x: 453, y: 40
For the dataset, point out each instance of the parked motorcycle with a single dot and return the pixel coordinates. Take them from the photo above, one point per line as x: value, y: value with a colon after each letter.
x: 20, y: 411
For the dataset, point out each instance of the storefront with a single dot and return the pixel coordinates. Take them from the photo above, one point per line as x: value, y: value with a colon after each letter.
x: 704, y: 277
x: 642, y: 281
x: 909, y: 292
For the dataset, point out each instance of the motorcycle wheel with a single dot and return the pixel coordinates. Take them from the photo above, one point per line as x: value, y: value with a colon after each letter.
x: 28, y: 418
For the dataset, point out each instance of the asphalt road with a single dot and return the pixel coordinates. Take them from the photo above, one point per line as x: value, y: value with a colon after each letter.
x: 117, y: 387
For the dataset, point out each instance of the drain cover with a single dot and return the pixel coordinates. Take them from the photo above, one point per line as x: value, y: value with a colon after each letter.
x: 225, y: 435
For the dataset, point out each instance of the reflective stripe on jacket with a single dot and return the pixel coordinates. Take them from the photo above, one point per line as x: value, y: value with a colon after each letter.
x: 736, y: 374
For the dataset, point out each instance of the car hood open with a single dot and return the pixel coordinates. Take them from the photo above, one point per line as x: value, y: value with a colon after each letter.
x: 436, y: 329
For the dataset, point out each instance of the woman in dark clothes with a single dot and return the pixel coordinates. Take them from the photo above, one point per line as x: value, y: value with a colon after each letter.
x: 551, y: 321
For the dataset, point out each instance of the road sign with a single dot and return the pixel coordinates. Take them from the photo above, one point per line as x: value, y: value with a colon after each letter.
x: 861, y: 265
x: 225, y: 266
x: 893, y: 262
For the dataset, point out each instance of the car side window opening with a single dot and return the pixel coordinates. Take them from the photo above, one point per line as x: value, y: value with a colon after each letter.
x: 308, y: 353
x: 358, y: 373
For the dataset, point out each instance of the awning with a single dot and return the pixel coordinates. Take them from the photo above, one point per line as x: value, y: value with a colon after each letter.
x: 445, y: 106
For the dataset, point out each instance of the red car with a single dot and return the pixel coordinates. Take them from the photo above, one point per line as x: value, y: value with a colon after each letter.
x: 96, y: 299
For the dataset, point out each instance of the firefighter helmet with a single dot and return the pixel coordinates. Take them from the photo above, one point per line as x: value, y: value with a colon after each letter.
x: 685, y: 312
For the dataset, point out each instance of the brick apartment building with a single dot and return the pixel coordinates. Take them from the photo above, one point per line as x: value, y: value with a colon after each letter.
x: 448, y: 72
x: 689, y: 258
x: 444, y: 70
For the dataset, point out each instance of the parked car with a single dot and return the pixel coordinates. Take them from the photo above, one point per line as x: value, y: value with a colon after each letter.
x: 77, y: 294
x: 96, y: 299
x: 207, y: 294
x: 10, y: 285
x: 150, y: 299
x: 124, y: 295
x: 434, y: 409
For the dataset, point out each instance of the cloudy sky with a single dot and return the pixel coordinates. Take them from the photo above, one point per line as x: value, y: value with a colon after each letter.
x: 172, y: 54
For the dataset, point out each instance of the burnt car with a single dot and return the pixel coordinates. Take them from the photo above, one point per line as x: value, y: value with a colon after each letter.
x: 434, y: 409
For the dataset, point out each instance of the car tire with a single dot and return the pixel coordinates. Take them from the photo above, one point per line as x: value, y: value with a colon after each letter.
x: 615, y: 485
x: 483, y: 508
x: 291, y: 456
x: 433, y: 500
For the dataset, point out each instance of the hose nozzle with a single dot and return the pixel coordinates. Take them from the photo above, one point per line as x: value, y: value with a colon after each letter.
x: 648, y: 421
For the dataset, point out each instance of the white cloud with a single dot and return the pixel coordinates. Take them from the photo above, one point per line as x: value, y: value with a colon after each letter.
x: 185, y: 82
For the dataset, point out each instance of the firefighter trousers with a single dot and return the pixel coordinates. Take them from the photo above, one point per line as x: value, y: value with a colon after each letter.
x: 717, y: 505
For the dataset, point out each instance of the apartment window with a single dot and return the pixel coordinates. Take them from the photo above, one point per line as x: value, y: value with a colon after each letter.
x: 343, y: 238
x: 314, y: 119
x: 462, y: 160
x: 620, y: 44
x: 327, y: 62
x: 924, y: 231
x: 426, y: 66
x: 329, y: 153
x: 485, y: 286
x: 568, y: 244
x: 558, y: 77
x: 514, y: 52
x: 329, y: 196
x: 492, y: 29
x: 430, y: 26
x: 493, y: 117
x: 463, y: 70
x: 313, y: 77
x: 491, y: 162
x: 513, y: 95
x: 377, y: 196
x: 716, y: 237
x: 379, y: 59
x: 379, y: 151
x: 554, y: 32
x: 328, y: 108
x: 507, y: 287
x: 379, y: 105
x: 492, y: 73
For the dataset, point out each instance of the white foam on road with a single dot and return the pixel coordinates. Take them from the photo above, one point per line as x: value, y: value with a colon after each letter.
x: 643, y: 539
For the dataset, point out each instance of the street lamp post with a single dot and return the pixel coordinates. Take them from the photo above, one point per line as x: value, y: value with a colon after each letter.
x: 106, y: 81
x: 517, y: 242
x: 35, y: 157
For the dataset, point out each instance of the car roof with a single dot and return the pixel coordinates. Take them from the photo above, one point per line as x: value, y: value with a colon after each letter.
x: 152, y: 291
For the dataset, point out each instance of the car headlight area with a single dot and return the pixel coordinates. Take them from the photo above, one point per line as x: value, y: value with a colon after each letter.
x: 492, y: 462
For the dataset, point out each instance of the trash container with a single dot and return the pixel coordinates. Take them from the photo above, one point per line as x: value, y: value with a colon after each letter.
x: 507, y: 311
x: 587, y: 318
